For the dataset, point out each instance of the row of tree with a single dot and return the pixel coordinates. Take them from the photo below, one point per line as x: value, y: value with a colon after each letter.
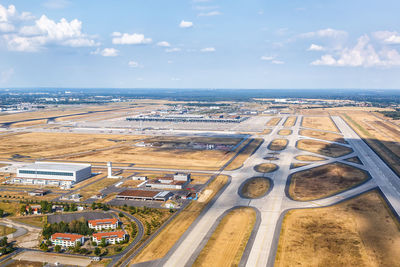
x: 76, y: 226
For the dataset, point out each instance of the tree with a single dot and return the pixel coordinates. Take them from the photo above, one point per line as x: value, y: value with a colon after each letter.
x: 48, y: 243
x: 103, y: 242
x: 97, y: 251
x: 57, y: 248
x: 3, y: 241
x: 94, y: 243
x: 93, y: 206
x: 120, y: 214
x: 1, y: 213
x: 44, y: 247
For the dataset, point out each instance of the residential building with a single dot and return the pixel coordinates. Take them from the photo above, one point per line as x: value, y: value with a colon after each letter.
x: 67, y: 240
x: 110, y: 237
x: 100, y: 224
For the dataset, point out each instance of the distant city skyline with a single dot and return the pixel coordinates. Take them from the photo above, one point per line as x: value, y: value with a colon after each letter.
x: 200, y: 44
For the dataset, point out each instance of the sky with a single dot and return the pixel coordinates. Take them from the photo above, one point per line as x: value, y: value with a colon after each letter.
x: 200, y: 44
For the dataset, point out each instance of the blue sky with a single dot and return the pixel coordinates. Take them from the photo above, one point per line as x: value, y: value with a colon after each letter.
x: 200, y: 44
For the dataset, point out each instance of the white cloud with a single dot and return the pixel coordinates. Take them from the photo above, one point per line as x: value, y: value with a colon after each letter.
x: 314, y: 47
x: 267, y: 58
x: 46, y: 31
x: 363, y: 54
x: 387, y: 37
x: 205, y: 7
x: 171, y: 50
x: 6, y: 75
x: 186, y: 24
x: 56, y: 4
x: 175, y: 79
x: 170, y: 62
x: 106, y: 52
x: 133, y: 39
x: 9, y: 16
x: 163, y: 44
x: 331, y: 33
x: 208, y: 49
x: 209, y: 14
x: 277, y: 62
x: 133, y: 64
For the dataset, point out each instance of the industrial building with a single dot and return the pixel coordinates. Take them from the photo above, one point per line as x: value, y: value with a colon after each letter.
x: 176, y: 181
x: 135, y: 194
x: 53, y: 174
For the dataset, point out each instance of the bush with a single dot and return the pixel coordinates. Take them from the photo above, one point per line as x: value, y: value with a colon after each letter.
x: 57, y: 248
x: 97, y: 251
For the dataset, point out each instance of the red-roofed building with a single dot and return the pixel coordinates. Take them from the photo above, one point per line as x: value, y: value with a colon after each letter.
x: 110, y: 237
x: 66, y: 240
x: 103, y: 224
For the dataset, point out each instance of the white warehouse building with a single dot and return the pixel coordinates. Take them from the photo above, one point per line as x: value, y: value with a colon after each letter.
x: 53, y: 173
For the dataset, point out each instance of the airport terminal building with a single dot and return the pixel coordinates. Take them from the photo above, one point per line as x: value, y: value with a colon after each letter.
x: 53, y: 174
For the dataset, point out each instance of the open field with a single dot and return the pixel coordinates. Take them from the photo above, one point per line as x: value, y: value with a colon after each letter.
x: 164, y: 241
x: 290, y: 121
x: 382, y: 135
x: 323, y: 148
x: 163, y: 157
x: 273, y: 121
x: 309, y: 158
x: 226, y: 245
x: 23, y: 263
x: 298, y: 165
x: 238, y: 161
x: 11, y: 208
x: 278, y: 144
x: 96, y: 187
x: 358, y: 232
x: 320, y: 123
x: 38, y: 221
x: 354, y: 160
x: 266, y: 167
x: 50, y: 145
x: 271, y: 158
x: 255, y: 187
x: 324, y: 181
x: 323, y: 135
x: 52, y: 258
x: 285, y: 132
x: 4, y: 230
x: 265, y: 132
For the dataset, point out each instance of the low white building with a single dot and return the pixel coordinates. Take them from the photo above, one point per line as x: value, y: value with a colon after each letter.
x: 66, y: 240
x: 100, y: 224
x: 109, y: 237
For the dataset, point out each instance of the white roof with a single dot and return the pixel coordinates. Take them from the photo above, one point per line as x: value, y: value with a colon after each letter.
x: 55, y: 166
x: 163, y: 194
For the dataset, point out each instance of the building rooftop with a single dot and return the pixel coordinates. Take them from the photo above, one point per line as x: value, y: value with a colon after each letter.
x: 106, y: 235
x: 66, y: 236
x: 103, y: 221
x: 55, y: 166
x: 138, y: 193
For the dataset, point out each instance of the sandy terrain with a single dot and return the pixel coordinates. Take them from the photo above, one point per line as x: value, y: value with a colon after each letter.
x: 323, y: 148
x: 320, y: 123
x: 278, y: 144
x: 266, y: 167
x: 255, y: 187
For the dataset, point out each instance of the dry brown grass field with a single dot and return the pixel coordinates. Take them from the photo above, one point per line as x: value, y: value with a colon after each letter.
x: 266, y: 167
x: 323, y: 148
x: 323, y: 135
x: 309, y: 158
x: 285, y: 132
x: 290, y: 121
x: 354, y: 160
x: 324, y: 181
x: 383, y: 135
x: 265, y: 132
x: 278, y: 144
x: 255, y: 187
x: 271, y: 158
x: 168, y: 236
x: 49, y: 145
x: 38, y: 221
x: 273, y: 121
x: 226, y: 245
x: 4, y: 230
x: 358, y: 232
x: 238, y: 161
x: 298, y: 165
x: 96, y: 187
x: 320, y: 123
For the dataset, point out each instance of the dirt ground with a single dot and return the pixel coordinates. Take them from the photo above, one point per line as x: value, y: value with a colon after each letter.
x: 285, y: 132
x: 324, y: 181
x: 309, y: 158
x: 323, y: 148
x: 290, y: 121
x: 255, y: 187
x: 96, y: 187
x: 266, y: 167
x: 323, y: 135
x: 358, y: 232
x: 163, y: 242
x: 226, y: 245
x: 320, y: 123
x: 36, y: 256
x: 273, y: 121
x: 278, y: 144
